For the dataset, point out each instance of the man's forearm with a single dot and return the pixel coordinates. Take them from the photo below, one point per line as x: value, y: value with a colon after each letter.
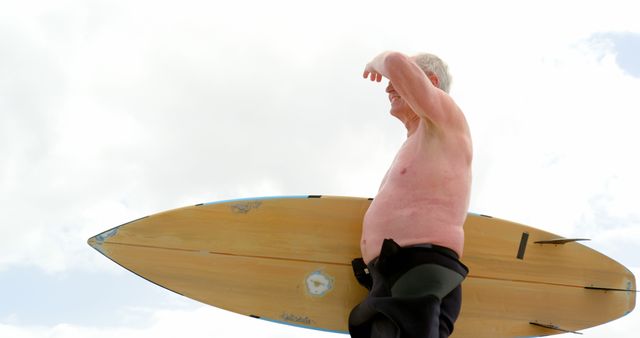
x: 379, y: 66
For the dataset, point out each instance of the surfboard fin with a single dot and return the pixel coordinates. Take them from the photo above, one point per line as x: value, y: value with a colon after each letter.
x: 553, y: 327
x: 561, y: 240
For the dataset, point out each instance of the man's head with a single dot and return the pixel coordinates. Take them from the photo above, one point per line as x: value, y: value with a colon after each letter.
x: 436, y: 70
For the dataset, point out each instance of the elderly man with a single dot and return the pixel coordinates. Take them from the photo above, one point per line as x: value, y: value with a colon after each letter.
x: 412, y: 234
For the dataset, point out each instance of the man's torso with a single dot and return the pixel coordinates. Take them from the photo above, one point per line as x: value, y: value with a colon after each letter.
x: 425, y: 195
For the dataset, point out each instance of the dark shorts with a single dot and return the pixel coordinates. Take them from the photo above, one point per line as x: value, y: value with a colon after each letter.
x: 416, y: 293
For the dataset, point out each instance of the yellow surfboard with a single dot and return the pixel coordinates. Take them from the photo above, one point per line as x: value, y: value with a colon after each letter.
x: 287, y: 260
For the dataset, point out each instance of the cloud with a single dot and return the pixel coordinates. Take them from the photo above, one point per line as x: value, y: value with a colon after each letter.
x: 614, y: 233
x: 102, y: 120
x: 203, y: 321
x: 624, y: 45
x: 102, y: 297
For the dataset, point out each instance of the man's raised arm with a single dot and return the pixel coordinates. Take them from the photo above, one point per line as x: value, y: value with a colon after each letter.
x: 411, y: 83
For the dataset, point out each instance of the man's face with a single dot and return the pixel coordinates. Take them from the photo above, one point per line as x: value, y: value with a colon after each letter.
x: 399, y: 106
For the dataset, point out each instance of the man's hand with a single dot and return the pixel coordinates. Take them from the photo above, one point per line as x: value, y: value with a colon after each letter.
x: 372, y: 73
x: 376, y: 70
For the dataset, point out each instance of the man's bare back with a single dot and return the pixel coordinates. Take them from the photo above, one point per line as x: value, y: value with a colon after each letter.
x: 425, y: 195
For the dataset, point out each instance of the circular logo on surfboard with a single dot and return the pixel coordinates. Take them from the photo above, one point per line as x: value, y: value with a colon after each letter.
x: 318, y: 283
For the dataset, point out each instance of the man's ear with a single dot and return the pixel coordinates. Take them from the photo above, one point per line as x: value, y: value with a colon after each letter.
x: 434, y: 79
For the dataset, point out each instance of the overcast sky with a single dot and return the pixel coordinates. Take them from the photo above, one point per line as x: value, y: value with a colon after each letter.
x: 113, y: 110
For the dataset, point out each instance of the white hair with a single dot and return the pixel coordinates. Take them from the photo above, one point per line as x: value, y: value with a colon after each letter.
x: 431, y: 64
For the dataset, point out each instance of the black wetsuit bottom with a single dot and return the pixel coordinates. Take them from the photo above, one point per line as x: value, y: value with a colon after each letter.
x: 416, y: 293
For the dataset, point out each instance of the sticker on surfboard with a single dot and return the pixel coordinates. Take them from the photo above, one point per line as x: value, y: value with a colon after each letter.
x: 318, y: 283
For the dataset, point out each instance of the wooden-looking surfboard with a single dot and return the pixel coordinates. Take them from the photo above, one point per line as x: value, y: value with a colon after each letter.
x: 287, y: 260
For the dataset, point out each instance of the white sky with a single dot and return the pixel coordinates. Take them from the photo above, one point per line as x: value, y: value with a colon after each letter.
x: 113, y: 110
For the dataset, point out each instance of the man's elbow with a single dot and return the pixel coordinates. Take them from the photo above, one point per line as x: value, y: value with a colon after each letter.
x: 397, y: 64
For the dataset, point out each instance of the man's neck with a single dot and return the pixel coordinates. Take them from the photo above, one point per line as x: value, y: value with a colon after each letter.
x: 411, y: 124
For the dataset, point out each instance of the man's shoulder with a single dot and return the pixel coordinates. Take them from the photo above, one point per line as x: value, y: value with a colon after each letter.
x: 455, y: 118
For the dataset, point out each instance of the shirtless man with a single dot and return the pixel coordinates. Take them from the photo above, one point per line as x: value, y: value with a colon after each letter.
x: 413, y: 233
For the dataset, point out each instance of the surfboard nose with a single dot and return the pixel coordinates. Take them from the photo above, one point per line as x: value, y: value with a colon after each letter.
x: 98, y: 240
x: 92, y: 242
